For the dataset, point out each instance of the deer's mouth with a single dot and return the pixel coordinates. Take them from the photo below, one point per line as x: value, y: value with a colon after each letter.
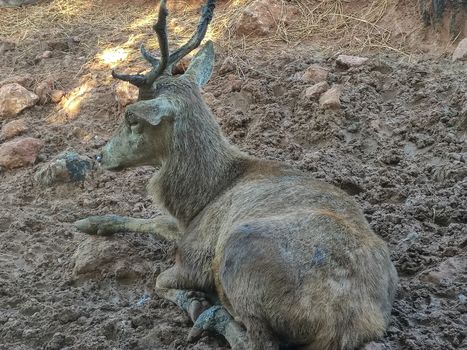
x: 108, y: 165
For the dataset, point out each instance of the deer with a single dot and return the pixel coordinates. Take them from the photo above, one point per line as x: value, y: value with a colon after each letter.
x: 266, y: 256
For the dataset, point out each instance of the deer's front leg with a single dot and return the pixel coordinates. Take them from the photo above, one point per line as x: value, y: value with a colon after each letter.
x: 163, y: 227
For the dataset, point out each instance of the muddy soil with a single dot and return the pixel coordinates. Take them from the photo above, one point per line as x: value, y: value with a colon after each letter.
x: 397, y: 144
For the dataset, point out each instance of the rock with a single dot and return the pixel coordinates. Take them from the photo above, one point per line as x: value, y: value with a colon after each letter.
x: 125, y: 93
x: 13, y: 128
x: 315, y: 74
x: 350, y: 61
x: 447, y: 271
x: 460, y: 53
x: 44, y: 91
x: 317, y: 89
x: 97, y: 256
x: 66, y: 167
x: 46, y: 54
x: 57, y: 95
x: 331, y: 98
x: 14, y: 98
x: 25, y: 80
x: 20, y: 152
x: 262, y: 17
x: 227, y: 66
x: 43, y: 55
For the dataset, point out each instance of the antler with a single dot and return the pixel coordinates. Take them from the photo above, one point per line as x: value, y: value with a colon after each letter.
x: 198, y: 36
x: 165, y: 63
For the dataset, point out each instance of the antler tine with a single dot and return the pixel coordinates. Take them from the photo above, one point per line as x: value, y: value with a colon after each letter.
x: 138, y: 80
x: 198, y: 36
x: 161, y: 31
x: 149, y: 57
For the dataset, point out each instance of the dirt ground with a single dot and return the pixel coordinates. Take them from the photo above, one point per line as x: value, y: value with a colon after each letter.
x: 398, y: 145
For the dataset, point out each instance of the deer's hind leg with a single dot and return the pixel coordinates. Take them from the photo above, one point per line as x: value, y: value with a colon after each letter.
x: 257, y: 284
x: 175, y: 285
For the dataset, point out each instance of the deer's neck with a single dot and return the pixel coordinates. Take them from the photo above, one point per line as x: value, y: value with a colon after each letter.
x: 201, y: 165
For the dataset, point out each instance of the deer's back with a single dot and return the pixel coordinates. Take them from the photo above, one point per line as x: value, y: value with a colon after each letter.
x: 296, y: 207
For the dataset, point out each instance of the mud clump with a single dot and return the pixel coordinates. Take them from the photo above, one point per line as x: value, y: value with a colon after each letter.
x: 66, y: 167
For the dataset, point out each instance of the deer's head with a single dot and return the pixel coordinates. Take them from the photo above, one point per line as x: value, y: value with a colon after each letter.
x: 145, y: 136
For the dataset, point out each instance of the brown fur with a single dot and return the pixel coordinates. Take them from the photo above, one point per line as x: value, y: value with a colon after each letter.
x: 291, y: 257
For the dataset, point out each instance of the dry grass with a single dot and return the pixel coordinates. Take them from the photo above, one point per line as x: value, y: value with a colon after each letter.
x: 340, y: 24
x: 102, y: 25
x: 332, y: 25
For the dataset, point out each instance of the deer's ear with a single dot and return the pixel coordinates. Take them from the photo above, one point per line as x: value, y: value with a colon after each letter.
x: 201, y: 66
x: 152, y: 111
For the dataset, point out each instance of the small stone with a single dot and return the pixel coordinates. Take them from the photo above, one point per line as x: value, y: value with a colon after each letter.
x: 13, y: 128
x: 44, y: 55
x: 14, y: 98
x: 462, y: 298
x: 350, y: 61
x: 57, y: 95
x: 126, y: 93
x: 233, y: 83
x: 460, y: 53
x: 68, y: 315
x: 317, y: 89
x: 20, y: 152
x: 44, y: 90
x: 315, y: 74
x: 331, y: 98
x: 433, y: 277
x: 82, y: 320
x: 374, y: 346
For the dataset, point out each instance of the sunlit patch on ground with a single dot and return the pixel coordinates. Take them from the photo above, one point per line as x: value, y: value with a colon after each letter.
x: 112, y: 56
x: 71, y: 103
